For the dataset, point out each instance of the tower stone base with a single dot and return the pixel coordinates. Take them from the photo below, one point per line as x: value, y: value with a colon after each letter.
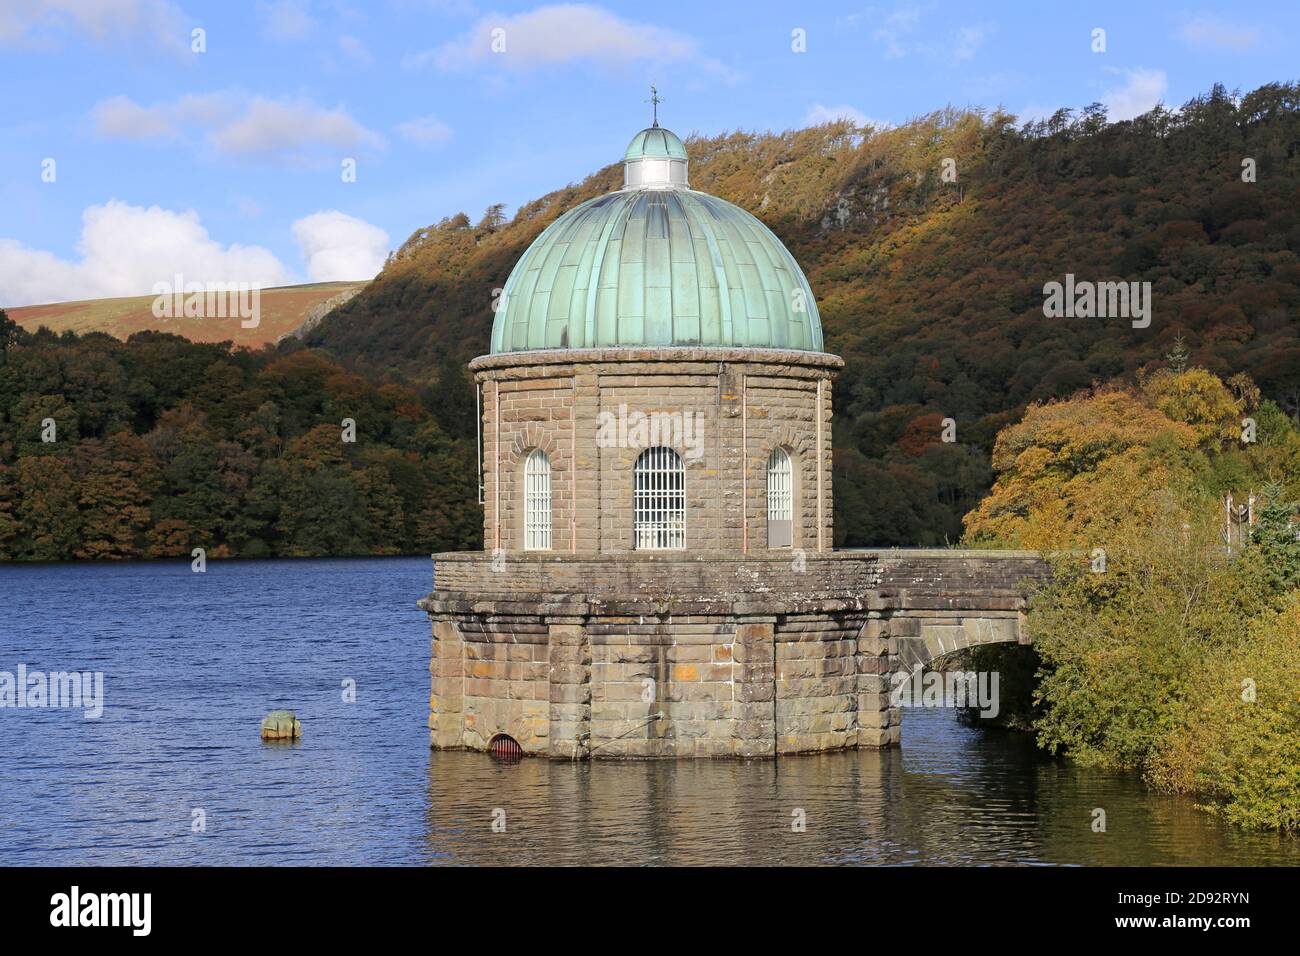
x: 698, y: 656
x: 702, y: 655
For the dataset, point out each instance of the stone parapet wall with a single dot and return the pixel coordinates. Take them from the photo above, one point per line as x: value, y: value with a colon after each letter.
x: 790, y: 579
x: 945, y: 578
x: 937, y: 579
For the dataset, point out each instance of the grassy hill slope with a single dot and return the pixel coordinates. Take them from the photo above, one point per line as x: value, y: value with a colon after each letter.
x: 282, y: 310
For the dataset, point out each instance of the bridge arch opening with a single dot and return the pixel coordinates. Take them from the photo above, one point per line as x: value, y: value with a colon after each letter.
x: 986, y: 685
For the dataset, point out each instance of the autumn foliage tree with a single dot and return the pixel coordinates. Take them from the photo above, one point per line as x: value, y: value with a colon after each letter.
x: 156, y: 446
x: 1165, y: 644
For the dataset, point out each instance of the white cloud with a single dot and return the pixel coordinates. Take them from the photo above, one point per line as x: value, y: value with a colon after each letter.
x: 818, y: 114
x: 896, y: 26
x: 561, y: 33
x: 122, y: 118
x: 124, y: 250
x: 1034, y: 112
x: 1142, y: 90
x: 425, y: 130
x: 968, y: 41
x: 1206, y: 32
x: 105, y: 21
x: 285, y: 19
x: 288, y: 131
x: 897, y: 31
x: 338, y: 247
x: 355, y: 50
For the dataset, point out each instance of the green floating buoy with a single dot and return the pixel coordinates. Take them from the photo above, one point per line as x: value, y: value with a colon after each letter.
x: 281, y: 725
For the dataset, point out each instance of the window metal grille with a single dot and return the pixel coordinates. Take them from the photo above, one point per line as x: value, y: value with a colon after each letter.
x: 659, y: 501
x: 537, y: 501
x: 780, y: 500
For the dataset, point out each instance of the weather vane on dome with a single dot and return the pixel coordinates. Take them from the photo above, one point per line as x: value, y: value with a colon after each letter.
x: 655, y: 100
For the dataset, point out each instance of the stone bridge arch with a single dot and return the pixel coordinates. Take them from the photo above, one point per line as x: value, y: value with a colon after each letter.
x: 923, y: 638
x: 932, y: 602
x: 939, y: 600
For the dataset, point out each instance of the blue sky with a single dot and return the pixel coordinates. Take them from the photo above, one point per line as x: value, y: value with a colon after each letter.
x: 226, y: 164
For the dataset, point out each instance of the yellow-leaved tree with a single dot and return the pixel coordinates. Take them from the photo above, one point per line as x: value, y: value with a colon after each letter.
x: 1161, y: 648
x: 1071, y: 473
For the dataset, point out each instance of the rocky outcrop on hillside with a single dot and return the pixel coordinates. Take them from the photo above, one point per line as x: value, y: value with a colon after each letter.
x: 316, y: 315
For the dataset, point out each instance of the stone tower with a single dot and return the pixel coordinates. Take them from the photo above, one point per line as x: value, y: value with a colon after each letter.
x: 658, y: 576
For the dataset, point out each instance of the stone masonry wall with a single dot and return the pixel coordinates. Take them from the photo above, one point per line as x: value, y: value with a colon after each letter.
x: 733, y: 407
x: 662, y: 576
x: 680, y: 656
x: 534, y: 413
x: 700, y: 685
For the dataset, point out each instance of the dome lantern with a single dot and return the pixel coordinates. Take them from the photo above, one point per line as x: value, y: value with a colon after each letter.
x: 655, y: 159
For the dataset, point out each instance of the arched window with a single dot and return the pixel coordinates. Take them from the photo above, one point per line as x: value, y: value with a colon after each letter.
x: 537, y: 501
x: 658, y: 501
x: 780, y: 500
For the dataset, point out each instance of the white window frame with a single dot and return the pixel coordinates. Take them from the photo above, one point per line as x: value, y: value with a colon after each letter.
x: 780, y: 499
x: 537, y: 501
x: 659, y: 501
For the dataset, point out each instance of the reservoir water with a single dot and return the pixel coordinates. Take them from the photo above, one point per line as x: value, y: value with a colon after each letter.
x: 173, y: 771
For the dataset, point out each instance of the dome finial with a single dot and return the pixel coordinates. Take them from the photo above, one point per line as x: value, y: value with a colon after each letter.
x: 655, y: 100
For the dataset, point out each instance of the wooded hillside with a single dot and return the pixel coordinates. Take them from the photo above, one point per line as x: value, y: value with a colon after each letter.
x: 157, y: 445
x: 933, y: 290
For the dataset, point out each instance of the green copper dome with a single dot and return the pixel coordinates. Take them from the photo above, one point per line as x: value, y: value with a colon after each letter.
x: 655, y: 141
x: 656, y: 263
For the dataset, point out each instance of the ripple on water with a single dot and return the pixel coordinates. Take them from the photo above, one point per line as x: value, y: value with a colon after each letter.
x: 193, y: 662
